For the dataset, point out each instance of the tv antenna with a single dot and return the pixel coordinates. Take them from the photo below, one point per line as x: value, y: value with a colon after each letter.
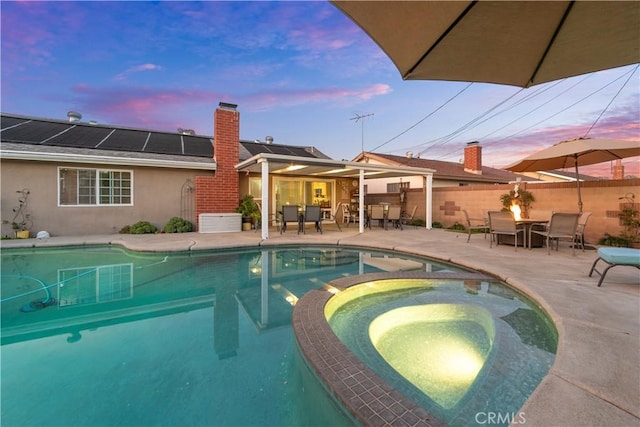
x: 361, y: 117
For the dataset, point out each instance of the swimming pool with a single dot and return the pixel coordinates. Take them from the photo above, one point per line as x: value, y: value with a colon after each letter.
x: 193, y: 338
x: 462, y: 349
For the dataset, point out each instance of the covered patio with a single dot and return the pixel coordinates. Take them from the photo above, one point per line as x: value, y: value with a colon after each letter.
x: 269, y: 164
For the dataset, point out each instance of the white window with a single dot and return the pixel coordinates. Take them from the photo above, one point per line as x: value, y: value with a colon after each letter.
x: 93, y: 285
x: 396, y: 187
x: 82, y: 187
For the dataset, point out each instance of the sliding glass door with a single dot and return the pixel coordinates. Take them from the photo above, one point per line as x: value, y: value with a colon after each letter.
x: 304, y: 191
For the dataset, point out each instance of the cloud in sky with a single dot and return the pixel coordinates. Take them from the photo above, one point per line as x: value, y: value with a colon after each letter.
x: 297, y: 70
x: 137, y: 69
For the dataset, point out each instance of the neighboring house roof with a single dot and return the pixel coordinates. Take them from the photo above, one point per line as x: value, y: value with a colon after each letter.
x: 36, y: 138
x: 446, y: 170
x: 561, y: 175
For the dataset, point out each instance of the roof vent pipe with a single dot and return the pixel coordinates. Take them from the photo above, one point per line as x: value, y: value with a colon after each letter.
x: 74, y: 116
x: 268, y: 139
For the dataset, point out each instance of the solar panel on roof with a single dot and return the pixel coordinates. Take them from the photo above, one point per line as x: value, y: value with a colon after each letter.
x: 301, y: 152
x: 287, y: 150
x: 254, y: 149
x: 81, y: 136
x: 33, y: 132
x: 125, y: 140
x: 197, y: 146
x: 6, y: 122
x: 162, y: 143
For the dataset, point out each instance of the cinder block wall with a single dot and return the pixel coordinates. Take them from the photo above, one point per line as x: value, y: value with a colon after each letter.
x: 601, y: 198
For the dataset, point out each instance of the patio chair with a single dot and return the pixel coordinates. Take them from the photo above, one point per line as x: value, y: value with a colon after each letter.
x: 289, y: 214
x: 312, y: 214
x: 334, y: 215
x: 407, y: 218
x: 377, y: 214
x: 614, y: 257
x: 348, y: 216
x: 503, y: 223
x: 393, y: 215
x: 561, y: 226
x: 582, y: 223
x: 475, y: 224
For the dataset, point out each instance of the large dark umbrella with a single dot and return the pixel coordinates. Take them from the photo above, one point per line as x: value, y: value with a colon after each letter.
x: 519, y: 43
x: 574, y: 152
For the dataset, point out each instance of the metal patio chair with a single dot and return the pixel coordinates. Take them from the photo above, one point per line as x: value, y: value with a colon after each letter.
x: 503, y: 223
x: 312, y: 214
x: 393, y: 216
x: 289, y: 214
x: 406, y: 218
x: 561, y: 226
x: 582, y: 224
x: 377, y: 214
x: 475, y: 224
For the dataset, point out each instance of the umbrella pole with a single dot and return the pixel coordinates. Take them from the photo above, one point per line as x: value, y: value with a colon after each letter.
x: 578, y: 183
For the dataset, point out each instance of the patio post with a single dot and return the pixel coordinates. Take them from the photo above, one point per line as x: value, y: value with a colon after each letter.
x: 361, y: 201
x: 428, y: 200
x: 265, y: 199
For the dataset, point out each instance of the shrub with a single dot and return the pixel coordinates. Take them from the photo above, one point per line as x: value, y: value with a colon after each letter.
x: 436, y: 224
x: 417, y: 222
x: 178, y: 225
x: 142, y: 227
x: 457, y: 227
x: 615, y: 241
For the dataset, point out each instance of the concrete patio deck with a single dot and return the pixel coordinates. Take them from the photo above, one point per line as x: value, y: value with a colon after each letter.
x: 595, y: 380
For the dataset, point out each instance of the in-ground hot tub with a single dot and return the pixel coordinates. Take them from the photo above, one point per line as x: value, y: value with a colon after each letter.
x: 456, y: 347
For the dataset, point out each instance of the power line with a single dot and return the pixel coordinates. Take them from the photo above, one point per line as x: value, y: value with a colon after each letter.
x: 423, y: 119
x: 612, y: 99
x: 563, y: 110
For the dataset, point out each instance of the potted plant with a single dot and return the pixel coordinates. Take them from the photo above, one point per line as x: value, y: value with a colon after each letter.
x: 21, y: 222
x: 523, y: 198
x: 21, y: 230
x: 250, y: 212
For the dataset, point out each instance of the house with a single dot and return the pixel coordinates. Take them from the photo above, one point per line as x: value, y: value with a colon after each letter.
x: 559, y: 176
x: 74, y: 178
x: 446, y: 174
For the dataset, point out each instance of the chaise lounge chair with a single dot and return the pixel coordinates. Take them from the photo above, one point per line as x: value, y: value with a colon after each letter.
x: 614, y: 257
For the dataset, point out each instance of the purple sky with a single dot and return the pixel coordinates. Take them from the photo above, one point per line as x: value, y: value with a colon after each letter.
x: 299, y: 72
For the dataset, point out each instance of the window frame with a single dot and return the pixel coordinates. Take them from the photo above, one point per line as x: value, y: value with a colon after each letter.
x: 98, y: 195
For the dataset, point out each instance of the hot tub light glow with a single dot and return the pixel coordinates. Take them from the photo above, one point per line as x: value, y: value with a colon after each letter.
x: 439, y: 348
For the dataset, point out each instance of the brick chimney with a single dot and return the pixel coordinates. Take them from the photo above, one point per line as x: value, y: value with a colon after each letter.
x: 473, y: 158
x: 618, y: 170
x: 220, y: 193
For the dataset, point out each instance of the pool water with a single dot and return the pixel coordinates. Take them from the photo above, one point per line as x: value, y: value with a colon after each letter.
x: 193, y: 338
x: 461, y: 349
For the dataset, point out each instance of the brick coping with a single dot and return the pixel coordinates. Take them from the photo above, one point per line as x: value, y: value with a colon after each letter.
x: 368, y: 398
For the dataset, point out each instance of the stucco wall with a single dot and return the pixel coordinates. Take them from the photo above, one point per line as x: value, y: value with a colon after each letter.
x: 156, y: 195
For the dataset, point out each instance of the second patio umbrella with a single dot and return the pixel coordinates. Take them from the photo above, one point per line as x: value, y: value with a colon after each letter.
x: 574, y: 152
